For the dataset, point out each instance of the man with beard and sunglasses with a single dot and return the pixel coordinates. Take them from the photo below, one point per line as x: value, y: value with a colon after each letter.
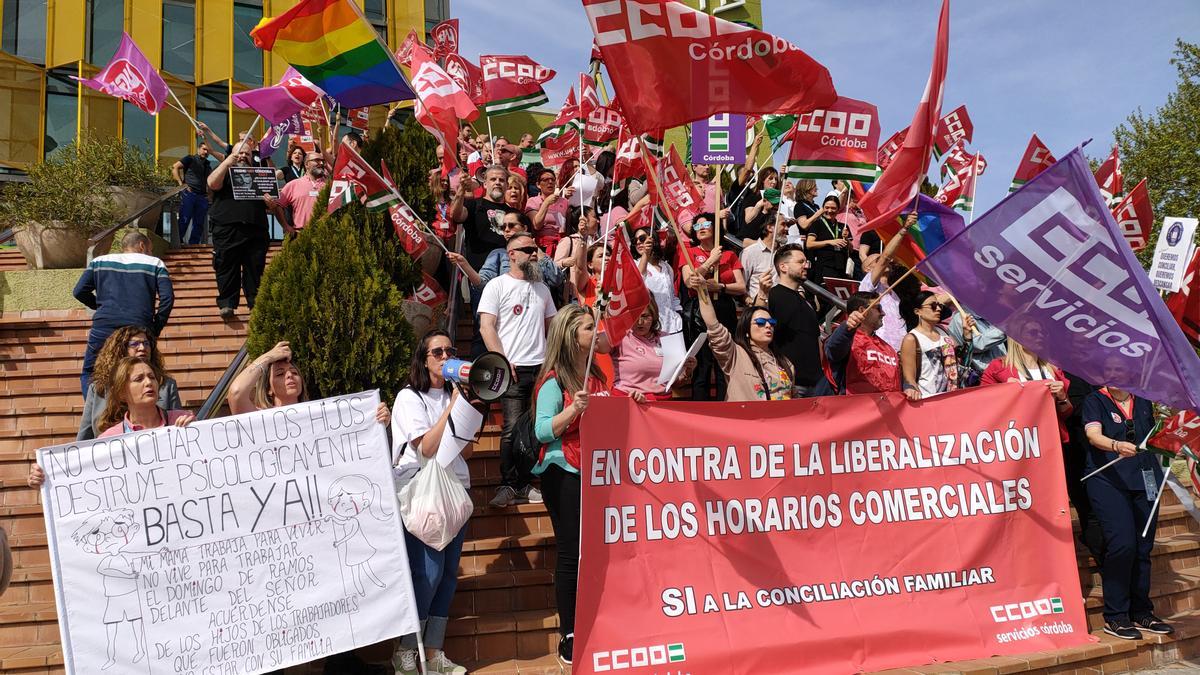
x: 514, y: 312
x: 298, y: 196
x: 482, y: 218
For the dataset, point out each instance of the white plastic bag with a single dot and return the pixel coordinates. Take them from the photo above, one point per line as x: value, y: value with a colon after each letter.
x: 434, y: 505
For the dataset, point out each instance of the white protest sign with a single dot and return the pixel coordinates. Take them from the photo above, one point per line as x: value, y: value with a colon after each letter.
x: 691, y: 353
x: 1172, y: 253
x: 239, y: 545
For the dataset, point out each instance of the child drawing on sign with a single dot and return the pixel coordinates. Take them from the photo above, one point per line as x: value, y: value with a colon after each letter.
x: 348, y: 497
x: 107, y: 534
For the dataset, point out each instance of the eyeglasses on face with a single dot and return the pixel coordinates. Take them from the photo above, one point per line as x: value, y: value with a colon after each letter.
x: 438, y: 352
x: 138, y: 344
x: 510, y: 226
x: 761, y: 321
x: 642, y: 239
x: 527, y: 250
x: 702, y: 225
x: 933, y: 305
x: 549, y: 178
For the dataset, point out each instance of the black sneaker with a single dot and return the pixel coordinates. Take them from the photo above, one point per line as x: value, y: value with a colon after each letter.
x: 1123, y: 629
x: 565, y: 647
x: 1153, y: 624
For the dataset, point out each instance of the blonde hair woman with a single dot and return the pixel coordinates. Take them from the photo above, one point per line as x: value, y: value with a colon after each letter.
x: 562, y: 396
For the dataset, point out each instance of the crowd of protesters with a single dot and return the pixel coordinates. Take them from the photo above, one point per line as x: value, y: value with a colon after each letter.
x: 744, y: 276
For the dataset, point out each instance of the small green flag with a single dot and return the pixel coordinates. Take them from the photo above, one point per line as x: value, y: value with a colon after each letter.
x: 777, y: 126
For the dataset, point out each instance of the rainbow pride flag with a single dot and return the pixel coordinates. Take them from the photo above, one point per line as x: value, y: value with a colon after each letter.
x: 331, y: 44
x: 936, y: 223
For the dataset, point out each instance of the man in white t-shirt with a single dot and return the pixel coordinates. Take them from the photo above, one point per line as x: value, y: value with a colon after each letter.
x: 514, y: 312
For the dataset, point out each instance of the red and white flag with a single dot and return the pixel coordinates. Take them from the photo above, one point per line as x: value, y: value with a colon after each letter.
x: 1135, y: 216
x: 900, y: 182
x: 406, y: 223
x: 589, y: 99
x: 445, y: 38
x: 1184, y: 304
x: 558, y: 149
x: 959, y: 190
x: 680, y: 196
x: 958, y: 159
x: 672, y: 64
x: 512, y: 83
x: 404, y: 53
x: 629, y: 162
x: 429, y: 293
x: 1109, y: 177
x: 954, y: 126
x: 602, y: 126
x: 566, y: 120
x: 351, y: 175
x: 623, y: 292
x: 440, y: 104
x: 890, y: 147
x: 1179, y: 431
x: 468, y: 76
x: 1037, y: 158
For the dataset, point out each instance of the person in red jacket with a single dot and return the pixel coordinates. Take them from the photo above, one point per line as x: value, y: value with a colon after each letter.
x: 1023, y: 365
x: 857, y: 360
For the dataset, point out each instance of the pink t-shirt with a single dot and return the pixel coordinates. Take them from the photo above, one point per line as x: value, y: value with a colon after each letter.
x: 636, y: 365
x: 556, y: 216
x: 710, y: 197
x: 300, y: 194
x: 126, y: 427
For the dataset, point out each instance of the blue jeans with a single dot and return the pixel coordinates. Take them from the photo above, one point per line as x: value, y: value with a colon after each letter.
x: 434, y: 577
x: 192, y: 214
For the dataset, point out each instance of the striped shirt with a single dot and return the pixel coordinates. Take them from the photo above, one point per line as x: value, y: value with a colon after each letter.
x: 123, y: 287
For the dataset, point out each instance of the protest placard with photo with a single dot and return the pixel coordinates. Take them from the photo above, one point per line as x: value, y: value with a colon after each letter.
x: 253, y: 182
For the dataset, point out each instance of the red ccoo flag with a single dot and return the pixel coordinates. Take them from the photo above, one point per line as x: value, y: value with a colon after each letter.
x: 429, y: 293
x: 679, y: 192
x: 671, y: 64
x: 900, y: 182
x: 1109, y: 177
x: 954, y: 126
x: 441, y: 103
x: 445, y: 38
x: 890, y: 147
x: 624, y: 292
x: 1184, y: 304
x: 404, y: 221
x: 1037, y: 158
x: 1135, y: 216
x: 352, y: 174
x: 468, y: 76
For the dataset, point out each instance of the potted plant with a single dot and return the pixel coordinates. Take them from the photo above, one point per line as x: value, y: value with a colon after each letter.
x: 79, y: 192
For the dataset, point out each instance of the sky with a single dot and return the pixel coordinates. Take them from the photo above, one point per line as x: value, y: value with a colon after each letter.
x: 1068, y: 70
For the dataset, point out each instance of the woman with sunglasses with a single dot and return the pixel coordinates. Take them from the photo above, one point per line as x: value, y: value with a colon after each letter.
x: 929, y: 357
x: 125, y: 341
x: 422, y: 419
x: 755, y: 368
x: 659, y: 280
x: 1117, y: 423
x: 725, y: 289
x: 548, y: 210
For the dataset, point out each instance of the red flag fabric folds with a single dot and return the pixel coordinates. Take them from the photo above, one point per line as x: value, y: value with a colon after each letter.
x: 1109, y: 176
x: 441, y: 103
x: 897, y: 187
x: 624, y: 292
x: 445, y: 38
x: 468, y: 76
x: 1037, y: 158
x: 1184, y: 304
x: 671, y: 64
x: 1135, y: 216
x: 352, y: 174
x: 955, y: 126
x: 512, y: 83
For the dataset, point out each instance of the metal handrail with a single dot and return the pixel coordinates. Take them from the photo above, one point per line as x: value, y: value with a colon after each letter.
x: 7, y: 235
x: 94, y: 240
x: 221, y: 390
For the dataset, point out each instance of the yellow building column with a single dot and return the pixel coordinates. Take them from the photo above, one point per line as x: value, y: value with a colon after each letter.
x: 65, y: 37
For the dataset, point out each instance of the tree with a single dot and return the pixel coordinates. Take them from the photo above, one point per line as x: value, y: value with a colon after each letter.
x: 1165, y: 147
x: 336, y: 292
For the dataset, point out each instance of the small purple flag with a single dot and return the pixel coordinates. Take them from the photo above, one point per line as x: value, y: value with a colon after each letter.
x: 1050, y: 266
x: 279, y: 102
x: 277, y: 134
x: 130, y: 76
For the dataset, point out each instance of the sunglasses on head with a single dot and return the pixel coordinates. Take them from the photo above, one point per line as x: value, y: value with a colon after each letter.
x: 761, y: 321
x: 527, y: 250
x: 438, y: 352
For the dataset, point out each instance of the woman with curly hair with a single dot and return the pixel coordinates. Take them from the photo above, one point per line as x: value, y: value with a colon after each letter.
x: 125, y: 341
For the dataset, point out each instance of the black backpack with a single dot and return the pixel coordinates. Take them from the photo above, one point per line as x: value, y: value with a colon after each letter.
x: 526, y: 447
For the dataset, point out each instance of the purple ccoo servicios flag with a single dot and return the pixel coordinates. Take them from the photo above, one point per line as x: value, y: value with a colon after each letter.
x: 1050, y: 266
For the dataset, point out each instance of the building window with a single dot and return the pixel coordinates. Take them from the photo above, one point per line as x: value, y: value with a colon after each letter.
x: 247, y: 58
x: 106, y: 22
x: 24, y: 30
x: 212, y: 108
x: 61, y: 109
x: 179, y: 39
x: 376, y: 13
x: 138, y: 127
x: 436, y: 11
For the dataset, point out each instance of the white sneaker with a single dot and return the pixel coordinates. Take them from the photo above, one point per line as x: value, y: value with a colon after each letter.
x: 405, y: 662
x: 441, y: 664
x: 533, y: 494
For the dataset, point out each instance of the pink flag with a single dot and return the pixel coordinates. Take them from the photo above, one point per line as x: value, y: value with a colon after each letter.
x: 279, y: 102
x: 900, y: 182
x: 130, y: 76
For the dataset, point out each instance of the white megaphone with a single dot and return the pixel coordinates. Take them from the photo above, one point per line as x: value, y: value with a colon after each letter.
x: 488, y: 376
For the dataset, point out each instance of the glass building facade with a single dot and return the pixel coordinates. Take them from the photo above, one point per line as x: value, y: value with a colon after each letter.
x: 202, y: 48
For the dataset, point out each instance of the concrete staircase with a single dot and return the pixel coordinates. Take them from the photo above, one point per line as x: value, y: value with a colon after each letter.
x: 503, y: 618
